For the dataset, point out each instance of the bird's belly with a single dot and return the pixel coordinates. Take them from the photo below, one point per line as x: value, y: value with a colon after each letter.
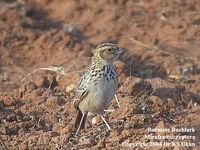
x: 102, y: 96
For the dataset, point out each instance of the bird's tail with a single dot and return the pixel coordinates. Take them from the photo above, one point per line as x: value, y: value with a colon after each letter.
x: 78, y: 119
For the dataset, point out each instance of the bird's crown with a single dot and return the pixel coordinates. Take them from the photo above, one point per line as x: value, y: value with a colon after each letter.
x: 107, y: 51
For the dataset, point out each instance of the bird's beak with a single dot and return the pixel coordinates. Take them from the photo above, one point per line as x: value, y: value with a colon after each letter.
x: 120, y: 50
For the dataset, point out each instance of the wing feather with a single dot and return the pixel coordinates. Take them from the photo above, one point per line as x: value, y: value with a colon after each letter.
x: 82, y: 89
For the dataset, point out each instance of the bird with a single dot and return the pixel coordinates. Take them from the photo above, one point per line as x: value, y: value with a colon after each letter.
x: 3, y: 145
x: 98, y: 85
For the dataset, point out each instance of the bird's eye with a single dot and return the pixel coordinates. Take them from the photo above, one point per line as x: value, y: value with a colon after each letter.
x: 109, y: 49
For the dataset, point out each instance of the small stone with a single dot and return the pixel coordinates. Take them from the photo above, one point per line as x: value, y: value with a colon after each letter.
x: 70, y: 88
x: 94, y: 120
x: 48, y: 127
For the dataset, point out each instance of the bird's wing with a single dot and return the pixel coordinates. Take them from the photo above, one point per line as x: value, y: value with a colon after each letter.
x: 82, y: 89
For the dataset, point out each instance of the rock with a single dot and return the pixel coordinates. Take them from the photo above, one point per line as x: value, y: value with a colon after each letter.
x: 70, y: 88
x: 48, y: 127
x: 94, y: 120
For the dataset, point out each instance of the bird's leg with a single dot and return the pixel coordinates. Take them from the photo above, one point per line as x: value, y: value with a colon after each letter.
x: 117, y: 100
x: 112, y: 110
x: 79, y: 126
x: 105, y: 122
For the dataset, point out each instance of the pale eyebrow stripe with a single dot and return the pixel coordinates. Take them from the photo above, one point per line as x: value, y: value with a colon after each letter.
x: 105, y: 45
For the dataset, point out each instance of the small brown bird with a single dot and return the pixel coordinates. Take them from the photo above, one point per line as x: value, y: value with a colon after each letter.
x: 98, y: 85
x: 2, y: 145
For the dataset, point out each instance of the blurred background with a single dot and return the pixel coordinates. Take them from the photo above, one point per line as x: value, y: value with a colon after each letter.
x: 40, y: 33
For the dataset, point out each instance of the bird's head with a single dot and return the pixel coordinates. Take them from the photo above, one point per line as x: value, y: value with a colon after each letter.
x: 108, y: 52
